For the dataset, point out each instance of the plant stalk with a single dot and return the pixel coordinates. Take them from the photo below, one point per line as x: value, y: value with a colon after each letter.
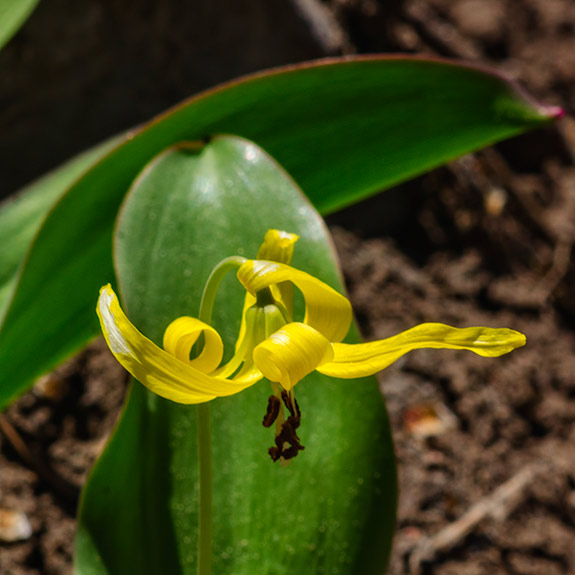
x: 205, y: 512
x: 204, y: 427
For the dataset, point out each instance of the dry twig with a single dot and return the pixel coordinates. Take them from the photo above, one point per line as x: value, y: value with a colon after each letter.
x: 497, y: 505
x: 559, y: 269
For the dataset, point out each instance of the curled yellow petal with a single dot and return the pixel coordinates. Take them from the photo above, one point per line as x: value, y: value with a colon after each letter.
x: 368, y: 358
x: 260, y: 323
x: 159, y: 371
x: 181, y: 335
x: 244, y: 346
x: 277, y: 246
x: 327, y: 311
x: 291, y: 353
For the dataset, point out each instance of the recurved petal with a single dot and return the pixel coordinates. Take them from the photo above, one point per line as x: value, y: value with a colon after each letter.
x: 181, y: 335
x: 155, y: 368
x: 327, y: 311
x: 291, y: 353
x: 277, y: 246
x: 368, y: 358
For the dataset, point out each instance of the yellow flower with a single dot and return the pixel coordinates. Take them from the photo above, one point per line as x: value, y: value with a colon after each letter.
x: 270, y: 343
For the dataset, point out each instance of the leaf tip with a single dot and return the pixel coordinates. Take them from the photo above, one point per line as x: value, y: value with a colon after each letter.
x: 552, y: 112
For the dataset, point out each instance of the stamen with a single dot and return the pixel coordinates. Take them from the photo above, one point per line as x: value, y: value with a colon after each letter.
x: 291, y: 403
x: 288, y: 432
x: 272, y: 412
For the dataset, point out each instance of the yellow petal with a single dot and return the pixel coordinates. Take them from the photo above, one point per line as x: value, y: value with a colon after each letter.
x: 244, y: 346
x: 155, y: 368
x: 291, y: 353
x: 277, y: 246
x: 327, y: 311
x: 368, y: 358
x: 248, y: 374
x: 181, y: 335
x: 249, y: 301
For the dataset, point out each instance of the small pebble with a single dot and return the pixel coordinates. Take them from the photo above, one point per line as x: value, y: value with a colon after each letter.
x: 51, y: 387
x: 495, y: 201
x: 424, y: 421
x: 14, y: 526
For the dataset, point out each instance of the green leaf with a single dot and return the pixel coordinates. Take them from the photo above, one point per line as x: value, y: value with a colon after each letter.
x: 344, y: 129
x: 22, y: 215
x: 332, y: 510
x: 13, y: 13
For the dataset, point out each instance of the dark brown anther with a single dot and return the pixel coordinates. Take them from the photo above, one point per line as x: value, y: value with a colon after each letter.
x: 292, y: 451
x: 288, y: 433
x: 287, y: 442
x: 293, y: 407
x: 272, y: 412
x: 275, y: 453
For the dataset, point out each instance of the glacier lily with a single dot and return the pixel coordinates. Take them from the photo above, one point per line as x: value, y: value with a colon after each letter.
x: 270, y: 343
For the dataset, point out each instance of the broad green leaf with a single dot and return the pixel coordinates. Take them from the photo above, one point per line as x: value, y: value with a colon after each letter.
x: 13, y: 13
x: 344, y: 129
x: 22, y: 215
x: 332, y: 510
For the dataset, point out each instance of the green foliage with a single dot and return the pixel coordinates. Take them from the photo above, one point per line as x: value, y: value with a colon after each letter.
x: 13, y: 13
x: 344, y: 129
x: 21, y: 216
x: 332, y: 510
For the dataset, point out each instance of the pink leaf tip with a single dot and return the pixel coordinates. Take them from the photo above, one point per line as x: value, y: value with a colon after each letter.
x: 553, y: 112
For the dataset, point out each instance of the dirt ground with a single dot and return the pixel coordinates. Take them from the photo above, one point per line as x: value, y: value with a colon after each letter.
x: 486, y: 447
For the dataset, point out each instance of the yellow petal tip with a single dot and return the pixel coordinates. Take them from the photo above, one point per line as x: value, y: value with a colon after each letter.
x: 277, y: 246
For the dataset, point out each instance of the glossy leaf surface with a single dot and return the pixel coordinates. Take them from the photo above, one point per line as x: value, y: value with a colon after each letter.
x: 21, y: 216
x: 344, y: 129
x: 332, y: 510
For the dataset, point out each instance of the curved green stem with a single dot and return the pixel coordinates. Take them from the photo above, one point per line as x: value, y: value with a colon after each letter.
x: 205, y: 512
x: 204, y: 432
x: 211, y: 289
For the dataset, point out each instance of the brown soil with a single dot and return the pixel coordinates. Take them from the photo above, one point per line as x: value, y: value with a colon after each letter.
x: 487, y: 241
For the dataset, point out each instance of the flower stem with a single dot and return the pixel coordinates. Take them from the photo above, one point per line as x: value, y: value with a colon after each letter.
x: 204, y: 432
x: 211, y: 289
x: 205, y: 512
